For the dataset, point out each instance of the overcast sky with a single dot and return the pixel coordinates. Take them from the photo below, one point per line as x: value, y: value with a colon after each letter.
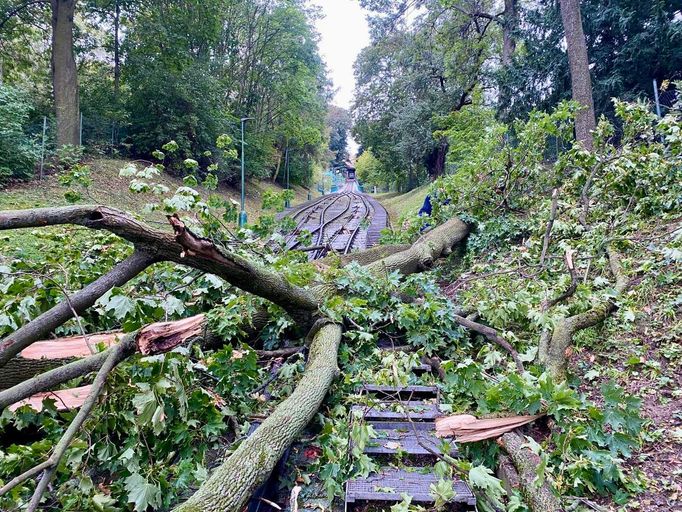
x: 344, y: 32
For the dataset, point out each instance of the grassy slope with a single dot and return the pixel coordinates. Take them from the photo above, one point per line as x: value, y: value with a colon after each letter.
x: 110, y: 189
x: 400, y: 204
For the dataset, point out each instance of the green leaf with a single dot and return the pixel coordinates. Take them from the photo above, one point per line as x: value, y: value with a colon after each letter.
x: 482, y: 478
x: 145, y: 405
x: 104, y: 503
x: 120, y: 305
x: 142, y: 493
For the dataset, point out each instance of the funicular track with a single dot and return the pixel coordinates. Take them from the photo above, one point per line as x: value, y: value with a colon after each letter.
x: 337, y: 222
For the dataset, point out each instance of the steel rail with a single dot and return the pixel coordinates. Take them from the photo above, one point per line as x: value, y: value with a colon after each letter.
x: 349, y: 245
x: 323, y: 225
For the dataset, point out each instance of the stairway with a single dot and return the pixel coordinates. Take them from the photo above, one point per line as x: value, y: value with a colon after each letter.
x: 403, y: 419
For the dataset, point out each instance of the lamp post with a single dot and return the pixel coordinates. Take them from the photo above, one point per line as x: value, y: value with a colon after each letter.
x: 242, y: 213
x: 286, y: 168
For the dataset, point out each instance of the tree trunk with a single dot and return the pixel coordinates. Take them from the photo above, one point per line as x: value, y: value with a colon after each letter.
x: 231, y: 485
x: 540, y: 498
x: 279, y: 163
x: 117, y: 57
x: 421, y: 255
x: 508, y: 41
x: 581, y: 83
x: 64, y: 74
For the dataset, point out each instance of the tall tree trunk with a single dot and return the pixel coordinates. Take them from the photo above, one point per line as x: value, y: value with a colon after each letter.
x: 508, y: 41
x: 117, y: 56
x: 581, y: 83
x: 64, y: 75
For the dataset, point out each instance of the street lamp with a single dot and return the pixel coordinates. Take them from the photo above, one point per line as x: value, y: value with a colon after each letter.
x: 242, y: 213
x: 286, y: 167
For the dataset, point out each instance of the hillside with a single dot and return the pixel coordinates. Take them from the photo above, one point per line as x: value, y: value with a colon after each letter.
x: 109, y: 188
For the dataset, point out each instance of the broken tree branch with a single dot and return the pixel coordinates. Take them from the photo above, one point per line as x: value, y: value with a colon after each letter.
x: 44, y: 324
x: 421, y: 255
x: 492, y: 335
x: 117, y: 354
x: 550, y: 223
x: 153, y: 339
x: 231, y: 485
x: 565, y: 329
x: 540, y: 498
x: 182, y: 247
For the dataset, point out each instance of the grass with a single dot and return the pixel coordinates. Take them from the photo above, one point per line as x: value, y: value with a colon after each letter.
x: 110, y: 189
x: 398, y: 205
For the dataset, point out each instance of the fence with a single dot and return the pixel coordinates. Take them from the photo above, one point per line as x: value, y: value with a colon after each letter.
x: 96, y: 135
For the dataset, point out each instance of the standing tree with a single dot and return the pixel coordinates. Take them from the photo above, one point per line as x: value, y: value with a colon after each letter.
x: 63, y: 63
x: 508, y: 41
x: 339, y: 124
x: 64, y: 73
x: 581, y: 83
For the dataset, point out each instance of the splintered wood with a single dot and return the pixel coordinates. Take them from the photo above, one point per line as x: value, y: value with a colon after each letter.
x: 467, y: 428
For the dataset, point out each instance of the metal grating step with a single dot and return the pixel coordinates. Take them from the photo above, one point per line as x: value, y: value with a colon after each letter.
x: 421, y: 369
x: 400, y: 392
x: 388, y: 484
x: 414, y: 410
x: 417, y: 438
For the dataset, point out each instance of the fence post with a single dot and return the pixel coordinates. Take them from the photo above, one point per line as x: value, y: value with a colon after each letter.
x: 42, y: 147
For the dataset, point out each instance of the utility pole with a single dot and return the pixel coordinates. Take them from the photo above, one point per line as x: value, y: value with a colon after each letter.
x: 242, y: 213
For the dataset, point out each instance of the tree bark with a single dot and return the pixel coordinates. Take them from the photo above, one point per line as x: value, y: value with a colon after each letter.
x: 64, y: 73
x: 581, y: 83
x: 117, y: 57
x: 540, y: 498
x: 231, y: 485
x: 508, y: 41
x: 370, y: 255
x: 421, y: 255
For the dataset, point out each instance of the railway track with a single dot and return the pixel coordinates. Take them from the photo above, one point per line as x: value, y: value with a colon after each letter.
x: 336, y: 222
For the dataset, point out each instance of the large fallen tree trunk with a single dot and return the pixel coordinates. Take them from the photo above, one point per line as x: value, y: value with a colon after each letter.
x: 232, y: 483
x: 537, y: 494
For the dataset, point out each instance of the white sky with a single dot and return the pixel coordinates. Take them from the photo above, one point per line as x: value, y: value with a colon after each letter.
x: 344, y: 32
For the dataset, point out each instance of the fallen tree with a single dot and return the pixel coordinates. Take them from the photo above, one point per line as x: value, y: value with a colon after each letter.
x: 232, y: 483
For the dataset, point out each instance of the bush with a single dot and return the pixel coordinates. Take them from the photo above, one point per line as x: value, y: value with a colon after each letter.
x: 18, y: 153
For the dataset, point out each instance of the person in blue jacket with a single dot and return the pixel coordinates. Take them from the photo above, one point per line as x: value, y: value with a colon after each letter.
x: 426, y: 207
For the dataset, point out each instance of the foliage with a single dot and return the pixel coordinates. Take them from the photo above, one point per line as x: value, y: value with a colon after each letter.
x: 340, y: 123
x: 18, y: 152
x: 370, y: 170
x: 413, y: 72
x: 629, y: 42
x: 192, y: 88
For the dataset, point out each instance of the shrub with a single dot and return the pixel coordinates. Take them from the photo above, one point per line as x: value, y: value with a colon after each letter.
x: 18, y: 153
